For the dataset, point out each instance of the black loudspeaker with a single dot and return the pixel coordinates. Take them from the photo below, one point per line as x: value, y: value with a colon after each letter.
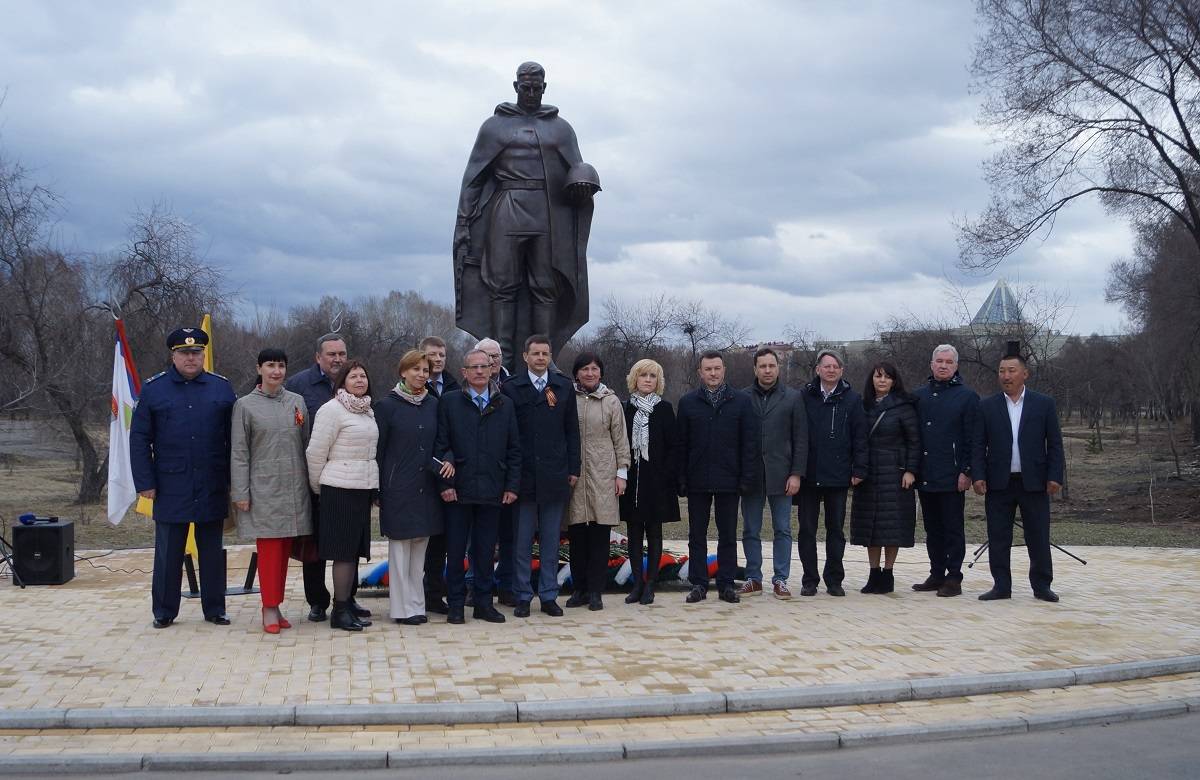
x: 44, y: 553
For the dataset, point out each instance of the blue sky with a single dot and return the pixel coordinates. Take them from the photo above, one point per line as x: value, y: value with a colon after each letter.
x: 793, y: 163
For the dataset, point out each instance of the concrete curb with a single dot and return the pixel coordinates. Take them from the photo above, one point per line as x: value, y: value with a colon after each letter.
x: 489, y: 712
x: 754, y: 745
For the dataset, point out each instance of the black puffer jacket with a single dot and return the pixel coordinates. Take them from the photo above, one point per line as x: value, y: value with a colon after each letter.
x: 949, y: 412
x: 884, y: 514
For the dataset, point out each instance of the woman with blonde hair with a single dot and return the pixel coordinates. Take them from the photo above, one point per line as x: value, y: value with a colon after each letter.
x: 410, y: 504
x: 649, y: 499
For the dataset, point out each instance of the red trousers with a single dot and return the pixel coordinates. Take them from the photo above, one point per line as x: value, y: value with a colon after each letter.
x: 272, y: 568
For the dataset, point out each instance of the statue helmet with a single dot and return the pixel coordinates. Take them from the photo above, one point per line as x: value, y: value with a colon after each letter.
x: 583, y: 173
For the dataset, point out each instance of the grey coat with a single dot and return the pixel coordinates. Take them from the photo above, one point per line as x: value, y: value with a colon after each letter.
x: 267, y: 465
x: 783, y: 437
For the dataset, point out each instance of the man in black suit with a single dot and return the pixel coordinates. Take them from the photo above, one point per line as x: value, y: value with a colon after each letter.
x: 1018, y: 462
x: 439, y: 383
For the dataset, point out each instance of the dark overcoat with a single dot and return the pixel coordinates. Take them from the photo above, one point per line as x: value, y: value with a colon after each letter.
x: 948, y: 412
x: 410, y: 504
x: 179, y: 445
x: 716, y: 444
x: 650, y: 491
x: 783, y: 437
x: 315, y: 387
x: 837, y: 435
x: 549, y: 426
x: 883, y: 513
x: 485, y: 447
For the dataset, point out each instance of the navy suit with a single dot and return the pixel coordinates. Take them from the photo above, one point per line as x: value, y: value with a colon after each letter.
x: 179, y: 447
x: 549, y: 425
x: 1040, y: 446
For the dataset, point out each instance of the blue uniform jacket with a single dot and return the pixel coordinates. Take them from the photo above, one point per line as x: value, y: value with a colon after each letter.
x: 179, y: 446
x: 1038, y: 437
x: 549, y: 436
x: 948, y: 412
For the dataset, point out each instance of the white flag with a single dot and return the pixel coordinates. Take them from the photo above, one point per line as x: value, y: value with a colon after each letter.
x: 121, y: 493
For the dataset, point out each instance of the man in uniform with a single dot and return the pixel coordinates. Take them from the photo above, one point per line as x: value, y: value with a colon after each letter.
x: 179, y: 452
x: 524, y: 216
x: 315, y: 385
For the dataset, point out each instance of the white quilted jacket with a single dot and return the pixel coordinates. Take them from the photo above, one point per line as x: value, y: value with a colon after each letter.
x: 341, y: 449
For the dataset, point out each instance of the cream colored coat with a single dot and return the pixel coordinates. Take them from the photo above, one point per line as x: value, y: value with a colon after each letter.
x: 604, y: 447
x: 341, y: 450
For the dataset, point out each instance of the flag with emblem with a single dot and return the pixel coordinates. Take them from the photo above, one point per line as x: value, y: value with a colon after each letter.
x: 125, y: 389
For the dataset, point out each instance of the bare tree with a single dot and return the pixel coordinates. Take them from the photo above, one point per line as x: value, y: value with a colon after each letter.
x: 1091, y: 97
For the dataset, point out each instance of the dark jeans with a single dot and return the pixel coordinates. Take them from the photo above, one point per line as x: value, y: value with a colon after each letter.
x: 1001, y: 508
x: 435, y: 567
x: 809, y: 502
x: 479, y: 523
x: 654, y: 548
x: 698, y: 507
x: 945, y: 537
x: 167, y: 579
x: 589, y: 556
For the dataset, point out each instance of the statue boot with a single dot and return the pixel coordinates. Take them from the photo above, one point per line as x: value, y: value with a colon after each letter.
x: 504, y: 327
x: 542, y: 320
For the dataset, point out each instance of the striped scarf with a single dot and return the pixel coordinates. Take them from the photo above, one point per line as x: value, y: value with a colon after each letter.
x: 640, y: 446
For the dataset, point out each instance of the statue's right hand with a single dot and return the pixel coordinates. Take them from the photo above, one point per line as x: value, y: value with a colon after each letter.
x: 462, y: 238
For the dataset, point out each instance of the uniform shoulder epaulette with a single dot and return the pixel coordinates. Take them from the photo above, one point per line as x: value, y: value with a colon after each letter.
x: 156, y: 376
x: 218, y: 376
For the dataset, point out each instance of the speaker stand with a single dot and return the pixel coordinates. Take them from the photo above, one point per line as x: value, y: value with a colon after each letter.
x: 7, y: 562
x: 193, y: 591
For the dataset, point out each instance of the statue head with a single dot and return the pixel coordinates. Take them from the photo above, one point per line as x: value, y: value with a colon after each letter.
x: 530, y: 85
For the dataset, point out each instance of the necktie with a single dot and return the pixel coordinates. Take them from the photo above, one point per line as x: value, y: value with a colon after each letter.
x: 540, y: 384
x: 480, y: 402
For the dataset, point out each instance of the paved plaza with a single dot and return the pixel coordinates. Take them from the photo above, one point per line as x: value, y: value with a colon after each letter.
x: 89, y: 644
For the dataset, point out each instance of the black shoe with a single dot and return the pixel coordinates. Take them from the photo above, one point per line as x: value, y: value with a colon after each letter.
x: 1046, y: 595
x: 995, y: 595
x: 341, y: 617
x: 730, y: 595
x: 834, y: 590
x: 595, y: 602
x: 359, y: 611
x: 506, y: 598
x: 647, y: 594
x: 551, y: 608
x: 415, y: 620
x: 217, y: 620
x: 521, y: 610
x: 455, y: 615
x: 362, y: 621
x: 887, y: 581
x: 808, y: 590
x: 436, y: 606
x: 950, y: 589
x: 578, y: 599
x: 488, y: 613
x: 423, y: 618
x: 931, y: 583
x: 163, y: 622
x: 696, y: 594
x: 872, y: 585
x: 318, y: 615
x: 635, y: 595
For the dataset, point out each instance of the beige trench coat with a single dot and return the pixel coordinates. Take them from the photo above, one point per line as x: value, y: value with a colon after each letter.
x: 604, y: 447
x: 267, y: 465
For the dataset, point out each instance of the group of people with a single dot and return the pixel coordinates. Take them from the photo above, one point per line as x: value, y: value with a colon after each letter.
x: 492, y: 467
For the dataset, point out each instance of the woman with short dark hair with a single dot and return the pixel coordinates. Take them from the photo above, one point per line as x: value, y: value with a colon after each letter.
x: 883, y: 515
x: 342, y: 469
x: 593, y: 511
x: 268, y: 477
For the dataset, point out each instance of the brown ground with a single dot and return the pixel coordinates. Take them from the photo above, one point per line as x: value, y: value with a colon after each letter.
x: 1108, y: 501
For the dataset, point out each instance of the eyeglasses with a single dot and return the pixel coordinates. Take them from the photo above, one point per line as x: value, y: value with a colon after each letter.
x: 478, y: 367
x: 492, y: 356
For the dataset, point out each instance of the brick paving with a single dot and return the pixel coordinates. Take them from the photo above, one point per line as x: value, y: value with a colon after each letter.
x: 89, y: 643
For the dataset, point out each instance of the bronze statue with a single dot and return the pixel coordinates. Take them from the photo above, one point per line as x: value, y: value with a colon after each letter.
x: 524, y: 215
